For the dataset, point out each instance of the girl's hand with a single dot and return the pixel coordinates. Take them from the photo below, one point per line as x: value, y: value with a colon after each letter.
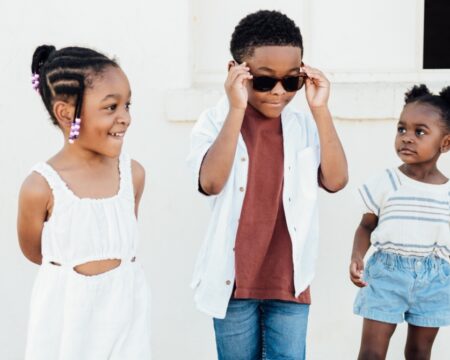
x: 317, y: 87
x: 235, y: 85
x: 356, y: 272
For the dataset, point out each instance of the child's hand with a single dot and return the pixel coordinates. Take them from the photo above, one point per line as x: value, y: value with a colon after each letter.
x: 356, y: 272
x: 317, y: 87
x: 235, y: 85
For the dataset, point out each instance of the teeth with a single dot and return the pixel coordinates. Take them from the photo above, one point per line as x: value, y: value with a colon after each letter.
x: 121, y: 134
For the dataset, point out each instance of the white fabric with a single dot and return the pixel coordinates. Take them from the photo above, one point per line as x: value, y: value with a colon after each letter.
x: 89, y: 317
x: 214, y: 271
x: 413, y: 217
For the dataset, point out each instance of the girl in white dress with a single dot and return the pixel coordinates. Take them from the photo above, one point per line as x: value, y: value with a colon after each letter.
x: 77, y: 216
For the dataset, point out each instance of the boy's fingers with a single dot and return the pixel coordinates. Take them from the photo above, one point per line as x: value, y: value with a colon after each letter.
x: 314, y: 74
x: 238, y: 68
x: 236, y: 72
x: 241, y: 77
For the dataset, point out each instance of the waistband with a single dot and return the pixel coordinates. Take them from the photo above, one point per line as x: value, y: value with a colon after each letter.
x: 395, y: 260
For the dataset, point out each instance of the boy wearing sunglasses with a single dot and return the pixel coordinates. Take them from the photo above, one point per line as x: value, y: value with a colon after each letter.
x: 261, y: 163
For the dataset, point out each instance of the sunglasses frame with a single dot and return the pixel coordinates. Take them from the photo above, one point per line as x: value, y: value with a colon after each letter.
x: 277, y: 80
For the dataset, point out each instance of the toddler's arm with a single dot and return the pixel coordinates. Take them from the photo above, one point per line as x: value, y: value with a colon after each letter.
x: 361, y: 244
x: 35, y: 205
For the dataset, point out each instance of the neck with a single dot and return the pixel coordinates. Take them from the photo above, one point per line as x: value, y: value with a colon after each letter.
x: 81, y: 155
x: 427, y: 173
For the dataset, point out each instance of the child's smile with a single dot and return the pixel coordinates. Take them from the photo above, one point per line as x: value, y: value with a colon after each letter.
x: 106, y: 115
x: 117, y: 135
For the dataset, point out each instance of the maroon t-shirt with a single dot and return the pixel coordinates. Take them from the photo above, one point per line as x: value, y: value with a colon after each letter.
x: 263, y: 249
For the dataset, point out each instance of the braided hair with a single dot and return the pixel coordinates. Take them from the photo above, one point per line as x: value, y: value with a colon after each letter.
x: 441, y: 102
x: 64, y: 74
x: 263, y: 28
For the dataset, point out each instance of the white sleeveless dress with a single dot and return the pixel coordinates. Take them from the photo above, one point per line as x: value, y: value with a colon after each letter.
x: 80, y: 317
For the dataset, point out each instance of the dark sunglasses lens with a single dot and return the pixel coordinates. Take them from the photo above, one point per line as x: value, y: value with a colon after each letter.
x: 263, y: 83
x: 293, y: 83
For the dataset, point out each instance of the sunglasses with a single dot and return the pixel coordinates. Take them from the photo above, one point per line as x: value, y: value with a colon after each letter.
x: 290, y: 83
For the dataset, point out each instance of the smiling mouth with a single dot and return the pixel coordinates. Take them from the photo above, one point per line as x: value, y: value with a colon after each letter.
x: 118, y: 135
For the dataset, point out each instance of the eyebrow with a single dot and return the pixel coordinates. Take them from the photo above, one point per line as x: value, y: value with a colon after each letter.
x: 416, y: 125
x: 263, y: 68
x: 114, y: 96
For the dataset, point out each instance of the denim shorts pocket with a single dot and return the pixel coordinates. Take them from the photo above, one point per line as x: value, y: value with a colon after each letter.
x: 375, y: 269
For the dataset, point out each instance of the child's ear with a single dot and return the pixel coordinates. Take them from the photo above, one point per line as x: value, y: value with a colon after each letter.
x: 64, y: 113
x: 445, y: 144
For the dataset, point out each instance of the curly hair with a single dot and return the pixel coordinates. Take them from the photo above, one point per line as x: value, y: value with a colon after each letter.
x: 441, y: 102
x: 263, y: 28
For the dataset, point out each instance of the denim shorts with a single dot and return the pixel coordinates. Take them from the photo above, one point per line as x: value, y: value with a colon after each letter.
x: 410, y: 288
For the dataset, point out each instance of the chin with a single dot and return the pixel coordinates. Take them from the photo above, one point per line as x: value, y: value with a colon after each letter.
x: 408, y: 160
x: 113, y: 153
x: 270, y: 113
x: 267, y: 109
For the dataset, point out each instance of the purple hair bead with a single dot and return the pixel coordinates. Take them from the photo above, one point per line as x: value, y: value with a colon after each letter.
x: 35, y: 81
x: 74, y: 130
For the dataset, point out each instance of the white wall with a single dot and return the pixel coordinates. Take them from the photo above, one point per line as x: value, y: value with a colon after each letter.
x: 174, y: 53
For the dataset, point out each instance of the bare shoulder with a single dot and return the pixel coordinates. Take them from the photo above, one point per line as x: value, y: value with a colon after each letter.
x: 36, y: 189
x: 138, y: 173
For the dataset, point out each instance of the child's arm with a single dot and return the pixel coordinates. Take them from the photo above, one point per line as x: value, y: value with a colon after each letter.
x: 35, y: 204
x: 361, y: 244
x: 218, y: 161
x: 333, y: 164
x: 138, y: 174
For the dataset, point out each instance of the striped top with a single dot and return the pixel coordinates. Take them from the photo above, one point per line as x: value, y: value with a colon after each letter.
x: 413, y: 217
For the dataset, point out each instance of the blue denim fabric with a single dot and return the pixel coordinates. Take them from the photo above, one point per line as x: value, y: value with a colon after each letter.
x: 410, y: 288
x: 262, y: 329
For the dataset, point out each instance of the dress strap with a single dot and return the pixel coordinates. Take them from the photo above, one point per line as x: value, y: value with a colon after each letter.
x: 126, y: 177
x: 50, y: 175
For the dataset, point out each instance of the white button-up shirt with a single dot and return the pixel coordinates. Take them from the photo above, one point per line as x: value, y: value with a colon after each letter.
x: 214, y: 273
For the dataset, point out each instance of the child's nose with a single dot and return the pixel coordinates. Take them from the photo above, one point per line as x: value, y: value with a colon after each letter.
x: 407, y: 139
x: 124, y: 119
x: 278, y: 89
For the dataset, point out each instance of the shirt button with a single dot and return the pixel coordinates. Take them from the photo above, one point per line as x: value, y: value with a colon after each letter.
x: 241, y: 189
x: 243, y: 159
x: 289, y: 199
x: 289, y: 167
x: 228, y: 282
x: 295, y: 229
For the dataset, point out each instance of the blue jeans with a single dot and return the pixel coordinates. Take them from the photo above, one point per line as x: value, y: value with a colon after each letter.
x: 262, y: 329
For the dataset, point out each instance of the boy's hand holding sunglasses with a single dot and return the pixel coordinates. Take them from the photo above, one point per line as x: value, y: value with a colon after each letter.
x: 235, y: 85
x: 317, y: 87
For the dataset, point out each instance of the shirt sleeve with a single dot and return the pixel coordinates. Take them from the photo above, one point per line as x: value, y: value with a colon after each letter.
x: 203, y: 135
x: 374, y: 192
x: 314, y: 141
